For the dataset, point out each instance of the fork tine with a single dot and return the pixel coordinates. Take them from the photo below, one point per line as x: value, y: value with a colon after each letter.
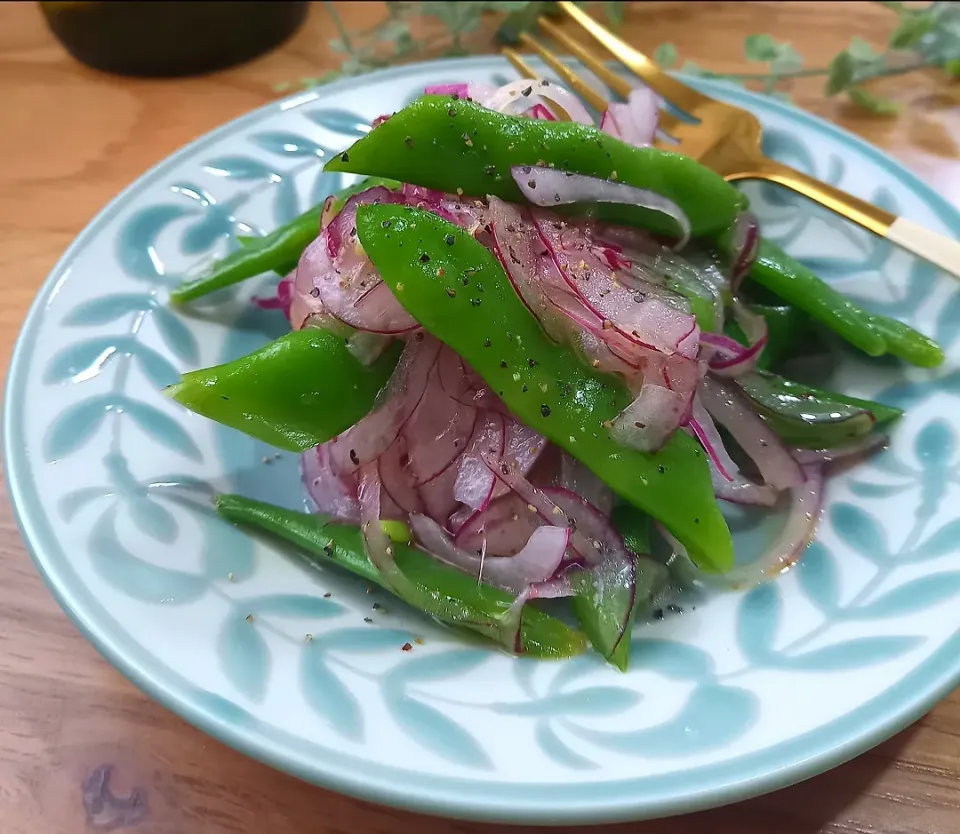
x: 680, y: 94
x: 594, y: 63
x: 575, y: 81
x: 519, y: 64
x: 589, y: 59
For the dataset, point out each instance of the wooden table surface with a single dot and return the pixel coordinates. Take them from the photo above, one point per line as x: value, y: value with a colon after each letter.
x: 70, y: 138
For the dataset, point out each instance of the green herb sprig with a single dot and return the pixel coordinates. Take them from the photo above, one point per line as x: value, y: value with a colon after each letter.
x: 923, y: 38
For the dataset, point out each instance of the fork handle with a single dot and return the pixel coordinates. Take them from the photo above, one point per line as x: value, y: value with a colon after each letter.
x: 931, y: 246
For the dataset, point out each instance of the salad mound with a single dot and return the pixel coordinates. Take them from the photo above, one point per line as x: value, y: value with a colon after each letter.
x: 523, y: 345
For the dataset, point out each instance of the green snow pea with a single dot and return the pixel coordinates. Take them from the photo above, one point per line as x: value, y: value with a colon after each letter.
x: 296, y: 392
x: 874, y: 334
x: 600, y: 622
x: 466, y: 602
x: 278, y: 251
x: 460, y: 147
x: 812, y: 418
x: 459, y: 292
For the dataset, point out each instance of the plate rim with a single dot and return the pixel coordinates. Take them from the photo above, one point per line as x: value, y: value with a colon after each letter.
x: 636, y: 798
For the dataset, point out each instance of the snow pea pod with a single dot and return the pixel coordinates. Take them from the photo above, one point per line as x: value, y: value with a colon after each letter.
x: 460, y: 147
x: 465, y: 602
x: 458, y: 291
x: 812, y: 418
x: 294, y: 393
x: 874, y: 334
x: 278, y: 251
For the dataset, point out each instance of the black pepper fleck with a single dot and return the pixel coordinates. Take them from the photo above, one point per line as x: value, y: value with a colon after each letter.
x: 452, y: 111
x: 661, y: 468
x: 658, y: 614
x: 354, y: 458
x: 487, y: 343
x: 408, y: 141
x: 344, y: 157
x: 367, y: 620
x: 532, y: 363
x: 315, y: 292
x: 503, y: 363
x: 387, y: 224
x: 475, y: 302
x: 524, y: 389
x: 424, y: 258
x: 449, y: 240
x: 465, y: 281
x: 545, y: 410
x: 451, y: 292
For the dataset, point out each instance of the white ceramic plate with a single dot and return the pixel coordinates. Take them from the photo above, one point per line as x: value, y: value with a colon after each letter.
x: 744, y: 694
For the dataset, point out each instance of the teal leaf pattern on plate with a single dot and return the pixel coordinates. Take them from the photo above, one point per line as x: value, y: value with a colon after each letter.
x: 436, y: 732
x: 758, y: 619
x: 860, y: 531
x: 915, y: 595
x: 817, y: 576
x: 853, y: 654
x: 327, y: 695
x: 244, y: 655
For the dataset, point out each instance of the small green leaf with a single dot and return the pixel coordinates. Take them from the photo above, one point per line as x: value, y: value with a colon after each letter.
x: 760, y: 48
x: 615, y: 12
x: 860, y: 50
x: 840, y: 73
x: 912, y: 28
x: 878, y: 105
x: 787, y: 60
x: 666, y: 55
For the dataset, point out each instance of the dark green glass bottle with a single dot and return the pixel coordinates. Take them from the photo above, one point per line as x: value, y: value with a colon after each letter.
x: 170, y: 38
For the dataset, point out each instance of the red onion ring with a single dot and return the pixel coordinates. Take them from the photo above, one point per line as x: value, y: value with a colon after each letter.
x: 548, y: 187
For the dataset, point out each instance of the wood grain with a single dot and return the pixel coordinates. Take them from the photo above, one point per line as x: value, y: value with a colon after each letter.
x: 70, y: 138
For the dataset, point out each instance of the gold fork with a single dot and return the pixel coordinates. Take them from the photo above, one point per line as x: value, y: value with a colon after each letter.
x: 725, y: 138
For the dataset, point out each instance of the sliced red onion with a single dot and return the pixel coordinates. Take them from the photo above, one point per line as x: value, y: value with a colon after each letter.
x: 438, y: 431
x: 399, y: 495
x: 502, y: 527
x: 335, y: 271
x: 745, y: 245
x: 539, y: 111
x: 728, y: 482
x: 806, y: 502
x: 520, y: 95
x: 366, y: 440
x: 475, y: 482
x: 332, y: 493
x: 608, y: 124
x: 509, y: 632
x: 649, y: 421
x: 480, y: 93
x: 547, y: 187
x: 636, y: 121
x: 376, y: 542
x: 437, y: 495
x: 577, y: 477
x: 327, y: 213
x: 283, y: 298
x: 538, y: 560
x: 458, y: 90
x: 639, y: 317
x: 589, y: 549
x: 777, y: 466
x: 380, y: 120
